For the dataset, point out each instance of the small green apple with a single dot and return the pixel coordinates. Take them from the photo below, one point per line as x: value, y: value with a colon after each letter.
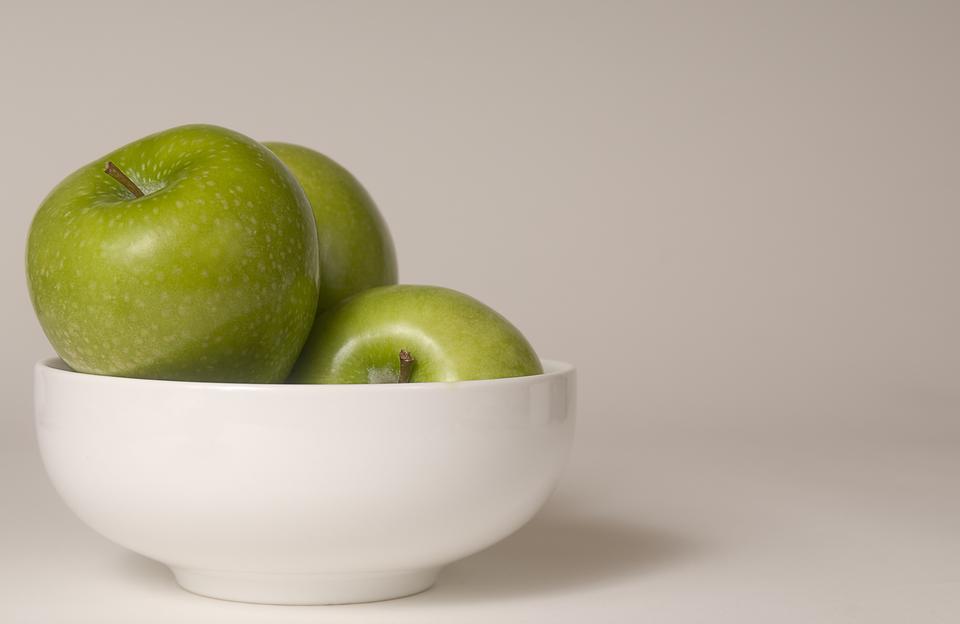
x: 413, y: 333
x: 193, y: 256
x: 356, y: 251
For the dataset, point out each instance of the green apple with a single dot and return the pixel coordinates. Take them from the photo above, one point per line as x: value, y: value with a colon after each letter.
x: 413, y: 333
x: 356, y: 251
x: 192, y: 256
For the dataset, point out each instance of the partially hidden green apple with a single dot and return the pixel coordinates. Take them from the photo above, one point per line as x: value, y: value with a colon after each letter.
x: 356, y: 250
x: 190, y: 254
x: 416, y: 334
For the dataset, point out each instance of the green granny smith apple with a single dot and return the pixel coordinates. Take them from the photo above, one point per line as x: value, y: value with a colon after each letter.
x: 356, y: 251
x: 413, y: 333
x: 190, y: 254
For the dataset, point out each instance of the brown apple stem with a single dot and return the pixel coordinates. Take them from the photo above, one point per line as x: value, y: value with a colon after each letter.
x: 406, y: 366
x: 114, y: 171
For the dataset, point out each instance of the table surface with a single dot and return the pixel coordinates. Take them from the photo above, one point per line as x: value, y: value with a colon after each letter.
x: 830, y: 514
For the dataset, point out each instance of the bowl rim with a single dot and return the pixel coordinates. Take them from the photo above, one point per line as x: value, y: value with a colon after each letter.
x: 56, y: 367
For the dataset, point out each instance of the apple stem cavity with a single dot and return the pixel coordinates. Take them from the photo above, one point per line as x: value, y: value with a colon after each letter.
x: 114, y: 171
x: 406, y: 366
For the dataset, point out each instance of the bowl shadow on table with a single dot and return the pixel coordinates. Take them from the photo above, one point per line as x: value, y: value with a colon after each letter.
x: 556, y: 553
x: 552, y: 553
x: 144, y: 572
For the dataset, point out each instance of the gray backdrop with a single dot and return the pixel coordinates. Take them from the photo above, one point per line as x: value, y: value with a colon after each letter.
x: 728, y: 215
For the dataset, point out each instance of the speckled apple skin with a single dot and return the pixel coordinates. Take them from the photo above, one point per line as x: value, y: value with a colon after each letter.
x: 452, y: 336
x: 211, y: 276
x: 356, y: 249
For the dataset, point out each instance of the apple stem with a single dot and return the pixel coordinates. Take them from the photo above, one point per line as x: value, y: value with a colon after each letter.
x: 114, y: 171
x: 406, y: 366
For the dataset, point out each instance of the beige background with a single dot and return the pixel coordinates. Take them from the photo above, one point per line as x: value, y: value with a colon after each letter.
x: 740, y: 220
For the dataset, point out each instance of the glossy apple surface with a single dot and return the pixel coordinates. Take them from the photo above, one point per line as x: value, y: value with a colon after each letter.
x: 212, y: 275
x: 356, y: 250
x: 450, y: 335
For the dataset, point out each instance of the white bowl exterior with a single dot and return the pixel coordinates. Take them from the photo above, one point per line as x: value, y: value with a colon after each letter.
x: 304, y: 479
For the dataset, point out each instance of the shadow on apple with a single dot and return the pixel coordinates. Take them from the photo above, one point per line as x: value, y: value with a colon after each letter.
x: 555, y: 552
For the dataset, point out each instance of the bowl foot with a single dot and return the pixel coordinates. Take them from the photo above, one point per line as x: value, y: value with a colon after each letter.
x: 305, y: 589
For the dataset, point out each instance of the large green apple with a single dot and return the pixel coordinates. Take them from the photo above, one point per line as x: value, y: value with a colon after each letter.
x: 356, y: 251
x: 212, y: 274
x: 413, y: 333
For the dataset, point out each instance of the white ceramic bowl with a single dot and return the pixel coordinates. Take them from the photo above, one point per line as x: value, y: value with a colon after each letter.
x: 304, y: 494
